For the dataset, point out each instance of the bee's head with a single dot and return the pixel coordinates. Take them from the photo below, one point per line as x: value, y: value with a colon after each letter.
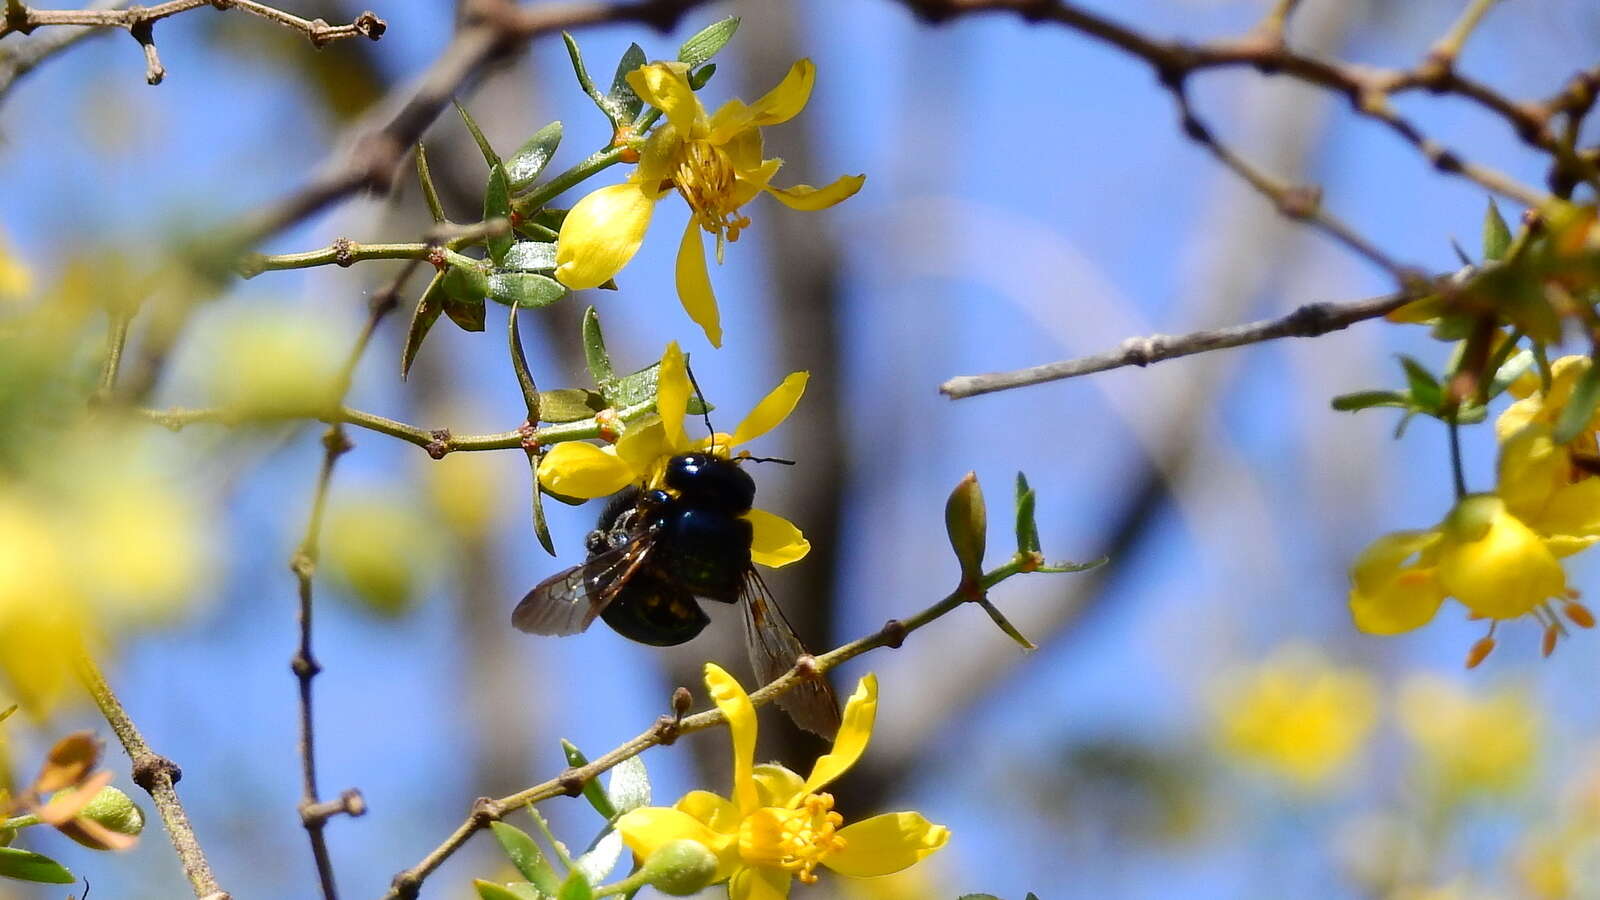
x: 711, y: 480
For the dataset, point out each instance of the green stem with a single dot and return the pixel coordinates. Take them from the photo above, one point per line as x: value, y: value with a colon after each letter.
x: 27, y: 821
x: 544, y: 193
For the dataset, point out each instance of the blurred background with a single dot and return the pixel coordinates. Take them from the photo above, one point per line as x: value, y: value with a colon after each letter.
x: 1201, y: 719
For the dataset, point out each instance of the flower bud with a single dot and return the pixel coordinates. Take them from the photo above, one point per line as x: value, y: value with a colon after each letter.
x: 680, y: 868
x: 112, y: 811
x: 967, y: 523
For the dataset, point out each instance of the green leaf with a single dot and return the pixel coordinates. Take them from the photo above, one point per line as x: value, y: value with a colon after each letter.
x: 599, y: 861
x: 977, y: 897
x: 497, y: 205
x: 25, y: 865
x: 541, y: 527
x: 1513, y: 368
x: 1027, y: 528
x: 569, y: 405
x: 966, y: 522
x: 467, y: 314
x: 429, y: 194
x: 549, y: 218
x: 576, y: 887
x: 629, y: 785
x: 594, y: 351
x: 708, y: 42
x: 640, y: 387
x: 429, y: 306
x: 488, y: 890
x: 465, y: 278
x: 1425, y: 390
x: 1579, y: 410
x: 519, y: 365
x: 622, y: 104
x: 1066, y: 567
x: 530, y: 159
x: 591, y: 789
x: 525, y: 289
x: 1404, y: 423
x: 489, y: 156
x: 530, y: 256
x: 526, y: 856
x: 1496, y: 235
x: 1368, y: 399
x: 699, y: 77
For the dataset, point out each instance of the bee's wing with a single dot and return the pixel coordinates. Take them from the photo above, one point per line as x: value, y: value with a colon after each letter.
x: 773, y: 649
x: 569, y: 601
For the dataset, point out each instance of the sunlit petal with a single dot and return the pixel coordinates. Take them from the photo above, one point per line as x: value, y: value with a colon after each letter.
x: 1493, y: 562
x: 672, y: 397
x: 883, y: 845
x: 665, y: 86
x: 750, y: 182
x: 810, y: 199
x: 601, y: 233
x: 775, y: 542
x: 773, y: 408
x: 785, y: 101
x: 741, y: 713
x: 1393, y: 586
x: 646, y: 829
x: 644, y: 448
x: 759, y: 884
x: 717, y: 812
x: 859, y: 713
x: 694, y: 284
x: 577, y: 469
x: 777, y: 785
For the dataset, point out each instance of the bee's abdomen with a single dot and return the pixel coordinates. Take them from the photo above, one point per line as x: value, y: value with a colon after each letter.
x: 707, y: 552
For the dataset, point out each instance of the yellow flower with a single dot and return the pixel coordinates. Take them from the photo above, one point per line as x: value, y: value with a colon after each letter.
x: 15, y: 279
x: 576, y: 469
x: 1469, y: 744
x: 779, y: 826
x: 713, y: 161
x: 1296, y: 715
x: 1481, y: 554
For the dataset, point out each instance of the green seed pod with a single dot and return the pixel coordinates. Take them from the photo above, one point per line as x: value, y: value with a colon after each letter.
x: 680, y: 868
x: 111, y: 810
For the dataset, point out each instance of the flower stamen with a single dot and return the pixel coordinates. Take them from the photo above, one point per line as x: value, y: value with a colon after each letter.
x: 810, y: 837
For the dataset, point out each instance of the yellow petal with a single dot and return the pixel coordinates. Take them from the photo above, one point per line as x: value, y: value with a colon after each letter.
x: 672, y: 397
x: 809, y: 199
x: 576, y: 469
x: 1393, y: 585
x: 646, y: 829
x: 752, y: 181
x: 645, y: 449
x: 744, y: 151
x: 775, y: 541
x: 777, y: 785
x: 741, y: 713
x: 1572, y: 511
x: 1494, y: 563
x: 730, y: 122
x: 602, y: 232
x: 717, y: 812
x: 773, y: 408
x: 785, y: 101
x: 694, y: 284
x: 1530, y: 470
x: 883, y: 845
x: 665, y: 86
x: 859, y: 712
x: 759, y: 884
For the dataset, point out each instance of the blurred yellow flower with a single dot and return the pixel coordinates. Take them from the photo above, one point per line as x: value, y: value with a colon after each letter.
x: 779, y: 826
x: 15, y: 279
x: 715, y: 164
x: 1296, y: 715
x: 266, y: 364
x: 1467, y: 744
x: 467, y: 491
x: 577, y: 469
x: 378, y: 549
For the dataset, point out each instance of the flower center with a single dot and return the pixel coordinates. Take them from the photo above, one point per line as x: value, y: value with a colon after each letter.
x: 706, y: 179
x: 809, y: 836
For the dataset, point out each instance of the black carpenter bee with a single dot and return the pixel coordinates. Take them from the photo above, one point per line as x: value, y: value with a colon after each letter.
x: 655, y: 553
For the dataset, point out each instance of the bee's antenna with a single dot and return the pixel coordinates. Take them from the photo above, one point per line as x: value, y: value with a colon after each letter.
x: 776, y: 459
x: 705, y: 412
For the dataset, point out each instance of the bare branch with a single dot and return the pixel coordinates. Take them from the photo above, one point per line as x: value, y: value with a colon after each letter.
x: 1307, y: 321
x: 158, y: 776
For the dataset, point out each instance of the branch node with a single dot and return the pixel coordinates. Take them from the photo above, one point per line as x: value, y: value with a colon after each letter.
x: 304, y: 666
x: 894, y: 634
x: 369, y: 26
x: 344, y: 252
x: 483, y: 812
x: 571, y: 782
x: 149, y: 767
x: 440, y: 445
x: 666, y: 729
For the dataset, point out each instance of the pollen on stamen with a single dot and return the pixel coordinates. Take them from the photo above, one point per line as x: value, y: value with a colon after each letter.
x: 1578, y: 614
x: 1551, y: 633
x: 1480, y: 651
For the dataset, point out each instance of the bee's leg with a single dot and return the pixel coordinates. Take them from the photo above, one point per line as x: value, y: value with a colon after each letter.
x: 596, y: 542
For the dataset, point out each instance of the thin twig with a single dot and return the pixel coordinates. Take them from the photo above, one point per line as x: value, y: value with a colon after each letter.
x: 158, y: 776
x: 1308, y: 321
x: 24, y: 19
x: 667, y: 729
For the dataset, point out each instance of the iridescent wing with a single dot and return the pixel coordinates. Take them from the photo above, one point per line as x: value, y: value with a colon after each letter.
x: 568, y: 602
x: 773, y: 648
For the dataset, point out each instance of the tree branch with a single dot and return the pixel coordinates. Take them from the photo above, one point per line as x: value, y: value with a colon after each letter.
x: 158, y: 776
x: 1308, y: 321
